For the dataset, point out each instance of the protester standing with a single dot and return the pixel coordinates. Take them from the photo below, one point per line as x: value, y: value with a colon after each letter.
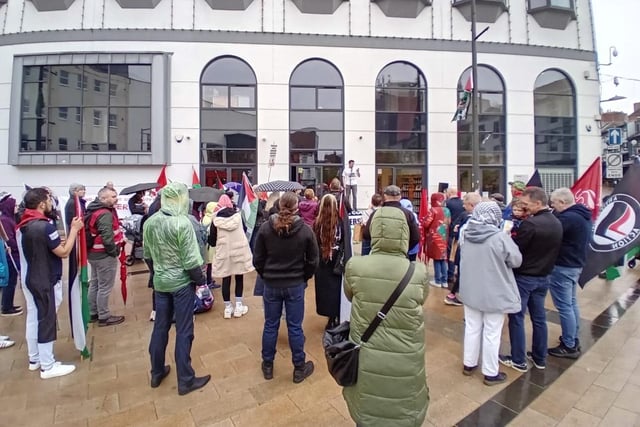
x: 308, y: 207
x: 487, y: 288
x: 12, y: 255
x: 170, y: 242
x: 392, y: 387
x: 539, y: 239
x: 576, y: 232
x: 435, y: 227
x: 104, y: 244
x: 285, y: 257
x: 41, y: 251
x: 376, y: 202
x: 233, y: 256
x: 350, y: 177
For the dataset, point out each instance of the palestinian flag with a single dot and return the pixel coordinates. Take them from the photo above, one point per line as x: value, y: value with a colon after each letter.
x: 464, y: 101
x: 79, y: 290
x: 248, y: 202
x: 219, y: 184
x: 617, y: 229
x: 195, y: 181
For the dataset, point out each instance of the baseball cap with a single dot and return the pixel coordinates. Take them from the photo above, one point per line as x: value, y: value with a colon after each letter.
x: 392, y: 190
x: 497, y: 196
x: 518, y: 185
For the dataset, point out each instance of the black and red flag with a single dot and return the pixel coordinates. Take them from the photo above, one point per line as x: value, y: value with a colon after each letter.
x: 617, y: 229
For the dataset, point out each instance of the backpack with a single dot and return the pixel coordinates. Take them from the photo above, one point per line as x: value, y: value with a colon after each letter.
x: 203, y: 300
x: 4, y: 265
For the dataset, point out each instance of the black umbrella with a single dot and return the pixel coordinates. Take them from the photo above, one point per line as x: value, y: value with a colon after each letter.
x: 205, y: 194
x: 279, y: 186
x: 139, y: 187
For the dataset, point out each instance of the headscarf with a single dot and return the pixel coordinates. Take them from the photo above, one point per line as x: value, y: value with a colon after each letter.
x: 488, y: 213
x: 437, y: 200
x: 224, y: 202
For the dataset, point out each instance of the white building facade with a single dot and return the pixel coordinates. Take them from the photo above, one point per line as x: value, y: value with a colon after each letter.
x: 99, y: 90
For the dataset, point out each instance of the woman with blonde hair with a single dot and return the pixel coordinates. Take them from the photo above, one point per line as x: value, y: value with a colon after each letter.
x: 330, y: 235
x: 206, y: 221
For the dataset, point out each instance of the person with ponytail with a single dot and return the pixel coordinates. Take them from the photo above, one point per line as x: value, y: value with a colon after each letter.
x: 330, y: 236
x: 285, y: 257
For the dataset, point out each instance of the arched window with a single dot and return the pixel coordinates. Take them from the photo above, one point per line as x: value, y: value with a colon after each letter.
x: 556, y: 138
x: 228, y: 121
x: 316, y: 123
x: 401, y: 129
x: 492, y: 133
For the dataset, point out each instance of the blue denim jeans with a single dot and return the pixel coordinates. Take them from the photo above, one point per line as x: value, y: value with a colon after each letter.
x: 180, y: 303
x: 440, y: 270
x: 366, y: 247
x: 564, y: 281
x: 533, y: 291
x: 293, y: 300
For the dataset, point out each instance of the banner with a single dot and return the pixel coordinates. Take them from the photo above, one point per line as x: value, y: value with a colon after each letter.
x: 587, y: 188
x: 464, y: 101
x: 617, y: 229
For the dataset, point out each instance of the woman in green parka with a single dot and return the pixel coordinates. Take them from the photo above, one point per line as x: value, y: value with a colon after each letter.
x: 392, y: 387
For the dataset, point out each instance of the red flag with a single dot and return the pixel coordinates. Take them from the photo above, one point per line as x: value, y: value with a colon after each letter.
x: 587, y: 188
x: 218, y: 182
x: 162, y: 178
x: 195, y: 181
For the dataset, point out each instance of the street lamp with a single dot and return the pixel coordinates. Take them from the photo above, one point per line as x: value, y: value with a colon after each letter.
x: 613, y: 52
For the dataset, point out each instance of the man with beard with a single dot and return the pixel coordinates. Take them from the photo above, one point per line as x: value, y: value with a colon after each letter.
x: 41, y: 251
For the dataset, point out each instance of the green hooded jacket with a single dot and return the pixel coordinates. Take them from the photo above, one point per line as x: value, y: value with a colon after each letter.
x: 392, y: 387
x: 169, y: 240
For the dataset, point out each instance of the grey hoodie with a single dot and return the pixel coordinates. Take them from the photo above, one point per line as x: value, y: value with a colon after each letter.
x: 487, y: 258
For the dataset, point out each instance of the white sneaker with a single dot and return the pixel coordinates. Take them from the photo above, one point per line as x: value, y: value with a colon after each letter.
x: 6, y: 343
x: 152, y: 316
x: 58, y: 370
x: 228, y: 312
x: 240, y: 310
x: 3, y: 338
x: 434, y: 284
x: 35, y: 366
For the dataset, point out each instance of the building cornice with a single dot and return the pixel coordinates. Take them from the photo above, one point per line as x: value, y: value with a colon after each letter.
x: 290, y: 39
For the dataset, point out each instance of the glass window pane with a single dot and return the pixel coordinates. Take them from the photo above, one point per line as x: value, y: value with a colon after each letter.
x: 400, y: 75
x: 315, y: 139
x: 33, y: 135
x: 316, y: 73
x: 400, y: 100
x: 93, y: 97
x: 329, y: 99
x: 401, y: 141
x: 228, y: 71
x: 555, y: 125
x: 493, y: 124
x: 553, y: 105
x: 36, y: 73
x: 319, y: 120
x: 492, y: 142
x: 95, y: 132
x: 303, y: 98
x: 34, y: 99
x: 229, y: 139
x: 553, y: 82
x: 215, y: 97
x: 404, y: 157
x: 68, y: 130
x: 561, y: 3
x: 490, y: 103
x: 241, y: 156
x: 320, y: 156
x: 213, y: 156
x: 228, y: 119
x: 488, y: 80
x: 133, y: 83
x: 464, y: 141
x: 243, y: 97
x: 401, y: 122
x: 133, y: 130
x: 465, y: 157
x: 61, y: 94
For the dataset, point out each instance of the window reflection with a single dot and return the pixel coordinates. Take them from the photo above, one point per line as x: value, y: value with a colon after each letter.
x: 97, y: 107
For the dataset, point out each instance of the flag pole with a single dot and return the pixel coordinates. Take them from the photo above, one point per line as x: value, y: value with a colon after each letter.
x: 475, y: 168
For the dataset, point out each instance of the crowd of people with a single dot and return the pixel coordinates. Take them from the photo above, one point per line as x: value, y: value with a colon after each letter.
x: 494, y: 259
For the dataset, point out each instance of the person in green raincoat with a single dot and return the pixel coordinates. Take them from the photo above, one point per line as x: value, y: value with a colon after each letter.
x: 170, y: 241
x: 392, y: 386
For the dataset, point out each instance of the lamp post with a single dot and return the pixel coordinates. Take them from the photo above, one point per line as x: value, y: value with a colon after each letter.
x: 475, y: 168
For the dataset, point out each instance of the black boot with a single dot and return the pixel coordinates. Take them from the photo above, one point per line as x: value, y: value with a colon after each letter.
x: 302, y: 372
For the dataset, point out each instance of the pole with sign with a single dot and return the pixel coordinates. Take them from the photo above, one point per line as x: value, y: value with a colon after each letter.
x: 272, y: 159
x: 613, y: 155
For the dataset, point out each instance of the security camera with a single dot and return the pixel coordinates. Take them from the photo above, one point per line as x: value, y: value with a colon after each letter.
x: 614, y: 52
x: 179, y: 138
x: 586, y: 74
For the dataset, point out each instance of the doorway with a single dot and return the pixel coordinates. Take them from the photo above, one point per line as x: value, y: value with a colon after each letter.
x: 409, y: 179
x: 316, y: 177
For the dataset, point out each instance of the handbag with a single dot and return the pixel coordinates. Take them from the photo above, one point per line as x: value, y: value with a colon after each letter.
x: 338, y: 264
x: 342, y: 354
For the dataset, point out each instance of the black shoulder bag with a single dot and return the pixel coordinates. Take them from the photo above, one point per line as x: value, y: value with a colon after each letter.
x: 342, y: 354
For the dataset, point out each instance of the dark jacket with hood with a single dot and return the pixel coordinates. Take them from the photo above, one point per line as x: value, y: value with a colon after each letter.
x: 576, y: 232
x: 287, y: 259
x: 105, y: 227
x: 539, y: 238
x: 8, y: 220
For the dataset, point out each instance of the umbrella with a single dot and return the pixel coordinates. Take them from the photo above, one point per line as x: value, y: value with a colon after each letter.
x: 139, y: 187
x: 279, y: 186
x: 205, y: 194
x: 123, y: 273
x: 236, y: 186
